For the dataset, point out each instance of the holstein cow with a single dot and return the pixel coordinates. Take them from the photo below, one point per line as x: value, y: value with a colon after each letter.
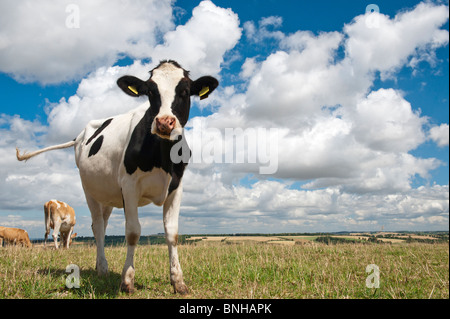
x: 14, y: 236
x: 126, y: 161
x: 60, y: 217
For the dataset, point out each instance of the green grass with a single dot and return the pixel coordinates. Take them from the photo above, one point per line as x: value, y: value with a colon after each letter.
x: 248, y: 270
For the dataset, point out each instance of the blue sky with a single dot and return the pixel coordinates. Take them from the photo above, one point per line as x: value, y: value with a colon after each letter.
x: 361, y: 109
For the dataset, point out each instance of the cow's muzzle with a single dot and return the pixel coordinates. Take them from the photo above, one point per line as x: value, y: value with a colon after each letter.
x: 165, y: 125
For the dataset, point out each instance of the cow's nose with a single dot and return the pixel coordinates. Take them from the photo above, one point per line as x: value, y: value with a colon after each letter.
x: 165, y: 124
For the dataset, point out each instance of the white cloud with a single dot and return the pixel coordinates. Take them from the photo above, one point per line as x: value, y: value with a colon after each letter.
x: 200, y: 44
x: 291, y: 87
x: 440, y: 134
x: 385, y: 121
x: 97, y: 97
x: 334, y: 130
x: 36, y: 44
x: 272, y: 206
x: 266, y: 30
x: 388, y: 43
x: 248, y: 68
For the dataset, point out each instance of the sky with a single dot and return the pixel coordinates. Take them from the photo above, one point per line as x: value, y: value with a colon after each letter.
x: 330, y: 115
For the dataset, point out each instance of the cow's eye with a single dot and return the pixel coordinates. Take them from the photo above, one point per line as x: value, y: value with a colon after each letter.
x: 185, y: 92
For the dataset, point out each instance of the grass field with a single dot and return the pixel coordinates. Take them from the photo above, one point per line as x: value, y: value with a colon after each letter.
x: 246, y: 269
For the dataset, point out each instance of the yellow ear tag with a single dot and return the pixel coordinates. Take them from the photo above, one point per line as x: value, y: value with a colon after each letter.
x: 203, y: 92
x: 133, y: 89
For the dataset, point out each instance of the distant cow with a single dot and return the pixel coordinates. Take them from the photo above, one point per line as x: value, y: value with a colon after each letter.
x: 134, y: 159
x: 14, y: 236
x: 61, y: 218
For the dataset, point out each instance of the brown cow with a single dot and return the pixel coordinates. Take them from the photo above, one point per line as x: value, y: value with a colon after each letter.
x: 60, y: 217
x: 15, y: 236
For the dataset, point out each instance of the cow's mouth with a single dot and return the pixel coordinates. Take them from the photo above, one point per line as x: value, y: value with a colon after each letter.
x: 163, y: 131
x: 162, y: 135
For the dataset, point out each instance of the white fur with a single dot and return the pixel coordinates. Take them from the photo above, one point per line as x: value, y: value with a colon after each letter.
x: 167, y: 77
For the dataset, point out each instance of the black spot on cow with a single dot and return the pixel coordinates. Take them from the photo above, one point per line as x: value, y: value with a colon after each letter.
x: 96, y: 146
x: 147, y: 151
x: 99, y: 130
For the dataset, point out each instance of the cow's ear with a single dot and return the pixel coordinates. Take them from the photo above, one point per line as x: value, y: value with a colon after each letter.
x: 133, y: 86
x: 204, y: 86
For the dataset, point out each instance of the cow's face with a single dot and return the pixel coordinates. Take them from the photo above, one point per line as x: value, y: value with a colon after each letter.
x: 168, y: 89
x: 64, y: 238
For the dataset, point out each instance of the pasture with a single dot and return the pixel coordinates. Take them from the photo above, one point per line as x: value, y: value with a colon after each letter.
x: 243, y: 268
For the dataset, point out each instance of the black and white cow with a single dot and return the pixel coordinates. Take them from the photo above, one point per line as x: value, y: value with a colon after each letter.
x: 125, y: 161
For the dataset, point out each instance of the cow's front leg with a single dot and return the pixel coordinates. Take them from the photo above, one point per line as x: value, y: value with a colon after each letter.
x: 132, y: 234
x: 171, y: 211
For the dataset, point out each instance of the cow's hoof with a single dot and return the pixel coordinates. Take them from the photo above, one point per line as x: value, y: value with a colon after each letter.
x: 102, y: 268
x: 180, y: 288
x: 103, y: 273
x: 128, y: 288
x: 127, y: 284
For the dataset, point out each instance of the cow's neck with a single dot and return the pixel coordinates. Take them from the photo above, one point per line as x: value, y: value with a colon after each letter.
x: 146, y: 150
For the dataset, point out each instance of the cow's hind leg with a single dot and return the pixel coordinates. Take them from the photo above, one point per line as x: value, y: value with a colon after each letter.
x: 100, y: 215
x: 47, y: 231
x: 57, y: 226
x: 171, y: 211
x: 47, y: 222
x: 132, y: 234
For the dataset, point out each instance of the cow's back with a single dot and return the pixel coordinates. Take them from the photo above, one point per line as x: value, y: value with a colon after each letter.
x: 55, y: 209
x: 15, y: 235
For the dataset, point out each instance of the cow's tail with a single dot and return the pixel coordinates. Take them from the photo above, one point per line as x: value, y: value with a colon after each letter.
x: 26, y: 156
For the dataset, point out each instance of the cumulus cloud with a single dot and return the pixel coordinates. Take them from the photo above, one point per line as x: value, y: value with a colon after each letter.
x: 43, y: 41
x: 265, y: 31
x: 97, y: 97
x: 385, y: 121
x: 377, y: 43
x: 334, y: 130
x: 200, y: 44
x: 440, y: 134
x: 273, y: 206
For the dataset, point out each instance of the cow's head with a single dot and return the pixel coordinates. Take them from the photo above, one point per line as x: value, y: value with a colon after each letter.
x: 168, y: 89
x: 64, y: 239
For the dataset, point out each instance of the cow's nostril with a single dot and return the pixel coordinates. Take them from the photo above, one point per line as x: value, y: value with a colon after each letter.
x: 165, y: 124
